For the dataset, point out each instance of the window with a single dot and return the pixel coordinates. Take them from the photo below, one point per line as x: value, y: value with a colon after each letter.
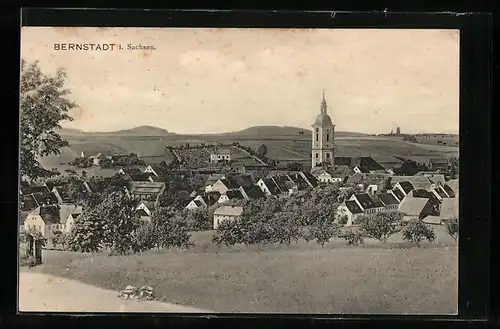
x: 327, y: 137
x: 317, y: 130
x: 328, y: 155
x: 317, y: 155
x: 317, y: 137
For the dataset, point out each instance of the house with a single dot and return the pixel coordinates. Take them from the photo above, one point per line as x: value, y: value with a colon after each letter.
x: 360, y: 164
x: 299, y: 181
x: 130, y: 171
x: 416, y: 208
x: 158, y: 171
x: 49, y: 219
x: 140, y: 177
x: 146, y: 191
x: 308, y: 178
x: 147, y: 206
x: 251, y: 192
x: 45, y: 199
x: 398, y: 194
x: 389, y: 201
x: 269, y: 187
x: 209, y: 198
x: 61, y: 194
x: 453, y: 185
x: 449, y: 191
x: 194, y: 204
x: 226, y: 213
x: 96, y: 159
x: 351, y: 209
x: 224, y: 184
x: 438, y: 163
x: 404, y: 186
x: 329, y: 175
x: 27, y: 190
x: 418, y: 182
x: 212, y: 179
x: 370, y: 204
x: 230, y: 195
x: 220, y: 154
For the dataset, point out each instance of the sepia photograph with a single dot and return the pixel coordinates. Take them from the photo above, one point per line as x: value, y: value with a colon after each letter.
x: 239, y: 170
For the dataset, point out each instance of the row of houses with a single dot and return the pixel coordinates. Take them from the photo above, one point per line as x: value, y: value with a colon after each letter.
x: 432, y: 205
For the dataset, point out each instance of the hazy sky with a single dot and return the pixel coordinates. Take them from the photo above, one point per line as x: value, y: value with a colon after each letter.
x: 220, y: 80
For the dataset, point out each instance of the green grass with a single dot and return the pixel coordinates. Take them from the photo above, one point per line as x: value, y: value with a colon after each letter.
x: 301, y: 278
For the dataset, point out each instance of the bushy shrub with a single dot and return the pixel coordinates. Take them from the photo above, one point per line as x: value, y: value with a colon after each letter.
x: 343, y: 220
x: 323, y: 231
x: 353, y: 238
x: 452, y: 227
x: 416, y: 231
x: 198, y: 219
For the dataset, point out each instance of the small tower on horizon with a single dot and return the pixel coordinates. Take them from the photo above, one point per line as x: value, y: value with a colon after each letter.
x: 398, y: 131
x: 323, y: 140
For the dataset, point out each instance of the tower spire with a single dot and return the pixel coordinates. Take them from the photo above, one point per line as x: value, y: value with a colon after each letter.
x: 323, y: 104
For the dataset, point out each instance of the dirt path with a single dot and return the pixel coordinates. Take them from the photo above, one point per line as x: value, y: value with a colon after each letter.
x: 45, y: 293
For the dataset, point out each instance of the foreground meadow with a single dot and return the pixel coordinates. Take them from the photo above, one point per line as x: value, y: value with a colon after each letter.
x: 300, y: 278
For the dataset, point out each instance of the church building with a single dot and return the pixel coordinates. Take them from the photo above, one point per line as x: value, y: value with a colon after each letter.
x: 323, y: 148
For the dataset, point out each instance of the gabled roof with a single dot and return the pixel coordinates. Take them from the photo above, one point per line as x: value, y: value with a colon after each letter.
x: 271, y: 185
x: 406, y: 186
x: 68, y: 209
x: 142, y: 177
x: 398, y: 194
x: 309, y: 178
x: 234, y: 194
x: 420, y: 193
x: 63, y: 193
x: 253, y: 191
x: 363, y: 170
x: 44, y: 198
x: 34, y: 189
x: 449, y: 190
x: 299, y: 181
x: 353, y: 207
x: 198, y: 203
x: 365, y: 200
x: 377, y: 203
x: 148, y: 204
x: 413, y: 206
x: 57, y: 214
x: 440, y: 192
x: 211, y: 198
x: 146, y: 187
x: 282, y: 182
x: 159, y: 170
x: 132, y: 171
x: 228, y: 211
x: 387, y: 199
x: 364, y: 163
x: 142, y: 213
x: 229, y: 183
x: 449, y: 209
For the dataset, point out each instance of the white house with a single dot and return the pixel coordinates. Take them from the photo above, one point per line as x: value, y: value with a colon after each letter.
x: 369, y: 203
x: 49, y: 219
x: 351, y: 210
x: 226, y: 213
x: 230, y: 195
x: 326, y: 177
x: 194, y: 204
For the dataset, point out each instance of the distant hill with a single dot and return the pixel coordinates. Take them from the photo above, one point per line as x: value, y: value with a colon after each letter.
x: 284, y: 131
x: 261, y: 131
x: 137, y: 131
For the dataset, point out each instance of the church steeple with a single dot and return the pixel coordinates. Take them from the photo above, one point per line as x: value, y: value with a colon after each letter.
x: 323, y: 104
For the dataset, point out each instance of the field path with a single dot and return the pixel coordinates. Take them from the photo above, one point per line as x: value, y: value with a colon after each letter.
x: 294, y: 153
x: 46, y: 293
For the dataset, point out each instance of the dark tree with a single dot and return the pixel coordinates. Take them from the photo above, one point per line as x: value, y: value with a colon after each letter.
x: 294, y: 166
x: 43, y: 106
x: 262, y: 151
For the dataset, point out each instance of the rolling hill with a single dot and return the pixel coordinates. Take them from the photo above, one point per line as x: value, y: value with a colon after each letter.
x: 260, y: 131
x: 263, y: 131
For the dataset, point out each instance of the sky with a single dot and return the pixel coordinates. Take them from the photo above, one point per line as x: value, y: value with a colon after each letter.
x: 222, y: 80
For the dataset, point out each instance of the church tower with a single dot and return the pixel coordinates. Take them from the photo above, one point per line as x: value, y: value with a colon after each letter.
x: 323, y: 143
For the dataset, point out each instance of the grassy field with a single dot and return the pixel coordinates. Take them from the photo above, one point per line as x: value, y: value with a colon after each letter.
x: 152, y: 149
x: 301, y: 278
